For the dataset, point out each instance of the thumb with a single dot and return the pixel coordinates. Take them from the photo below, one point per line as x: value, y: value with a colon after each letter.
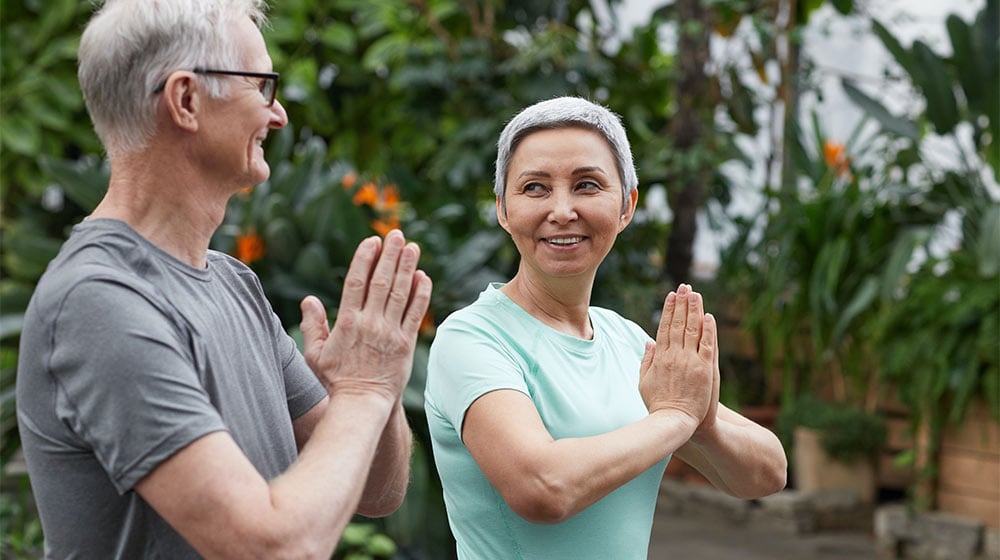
x: 647, y: 359
x: 709, y: 338
x: 314, y: 325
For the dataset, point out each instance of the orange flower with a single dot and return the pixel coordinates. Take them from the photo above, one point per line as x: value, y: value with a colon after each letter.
x: 833, y: 153
x: 367, y: 194
x: 427, y: 324
x: 389, y: 197
x: 349, y: 180
x: 384, y: 226
x: 249, y: 247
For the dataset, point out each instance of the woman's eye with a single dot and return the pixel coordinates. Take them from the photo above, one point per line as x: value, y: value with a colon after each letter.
x: 587, y: 186
x: 533, y: 188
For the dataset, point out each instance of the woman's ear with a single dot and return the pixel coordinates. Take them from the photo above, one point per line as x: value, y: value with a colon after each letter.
x: 502, y: 215
x: 629, y: 212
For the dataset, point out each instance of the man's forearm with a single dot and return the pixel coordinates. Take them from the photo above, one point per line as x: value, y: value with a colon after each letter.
x: 389, y: 475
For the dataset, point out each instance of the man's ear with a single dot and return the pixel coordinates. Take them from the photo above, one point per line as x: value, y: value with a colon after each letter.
x: 502, y: 215
x: 182, y: 96
x: 629, y: 212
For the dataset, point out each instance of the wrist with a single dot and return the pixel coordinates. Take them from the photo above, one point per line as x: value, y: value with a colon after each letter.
x: 676, y: 421
x: 371, y: 396
x: 705, y: 434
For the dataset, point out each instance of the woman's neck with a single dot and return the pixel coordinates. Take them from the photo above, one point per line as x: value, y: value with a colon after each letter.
x: 563, y: 304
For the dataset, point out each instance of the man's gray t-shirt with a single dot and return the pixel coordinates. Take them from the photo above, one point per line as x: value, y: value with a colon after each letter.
x: 127, y: 356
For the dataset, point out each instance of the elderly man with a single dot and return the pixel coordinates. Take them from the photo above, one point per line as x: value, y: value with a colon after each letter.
x: 163, y: 410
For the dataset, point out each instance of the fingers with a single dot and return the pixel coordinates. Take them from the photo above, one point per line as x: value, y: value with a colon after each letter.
x: 708, y: 348
x: 663, y: 329
x: 695, y: 317
x: 420, y: 298
x: 358, y: 273
x: 680, y: 318
x: 383, y: 276
x: 403, y: 283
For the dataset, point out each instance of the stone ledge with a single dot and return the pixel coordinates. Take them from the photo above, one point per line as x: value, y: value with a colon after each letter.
x: 788, y: 511
x: 934, y: 535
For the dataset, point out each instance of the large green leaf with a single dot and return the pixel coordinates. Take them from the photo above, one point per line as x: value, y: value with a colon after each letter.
x: 899, y: 258
x: 899, y: 53
x: 85, y: 181
x: 988, y: 244
x: 860, y: 301
x: 19, y: 134
x: 934, y: 80
x: 966, y: 61
x: 900, y: 126
x: 844, y: 6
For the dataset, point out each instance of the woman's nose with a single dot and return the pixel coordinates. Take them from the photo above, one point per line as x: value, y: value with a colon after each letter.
x: 563, y: 208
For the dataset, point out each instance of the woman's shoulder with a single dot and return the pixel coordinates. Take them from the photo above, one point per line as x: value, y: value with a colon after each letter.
x: 616, y: 324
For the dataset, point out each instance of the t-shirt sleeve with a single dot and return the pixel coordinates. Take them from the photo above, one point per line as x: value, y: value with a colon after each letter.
x: 302, y: 388
x: 465, y: 363
x: 128, y: 379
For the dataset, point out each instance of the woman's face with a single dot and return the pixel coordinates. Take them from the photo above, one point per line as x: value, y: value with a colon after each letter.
x: 564, y: 202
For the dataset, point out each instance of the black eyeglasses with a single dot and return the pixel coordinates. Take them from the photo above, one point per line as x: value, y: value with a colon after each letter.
x: 268, y: 84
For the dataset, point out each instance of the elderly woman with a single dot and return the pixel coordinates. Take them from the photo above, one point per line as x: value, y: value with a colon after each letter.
x: 552, y: 421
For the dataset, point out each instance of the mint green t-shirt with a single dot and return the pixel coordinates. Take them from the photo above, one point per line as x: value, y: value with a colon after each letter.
x: 580, y: 387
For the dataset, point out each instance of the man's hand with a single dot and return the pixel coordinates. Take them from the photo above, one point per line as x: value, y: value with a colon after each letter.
x: 370, y: 349
x: 677, y: 371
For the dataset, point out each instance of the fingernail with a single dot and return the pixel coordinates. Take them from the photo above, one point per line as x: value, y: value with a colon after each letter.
x: 671, y: 297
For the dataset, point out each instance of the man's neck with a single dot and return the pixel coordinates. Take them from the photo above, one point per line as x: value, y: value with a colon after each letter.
x: 170, y: 207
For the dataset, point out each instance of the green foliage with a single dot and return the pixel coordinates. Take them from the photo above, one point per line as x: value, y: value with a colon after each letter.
x: 939, y: 335
x: 412, y: 95
x: 962, y: 88
x: 817, y: 261
x: 831, y: 264
x: 361, y: 541
x: 21, y: 534
x: 41, y: 109
x: 846, y: 432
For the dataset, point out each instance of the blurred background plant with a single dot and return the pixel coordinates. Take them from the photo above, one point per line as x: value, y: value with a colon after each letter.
x: 840, y: 282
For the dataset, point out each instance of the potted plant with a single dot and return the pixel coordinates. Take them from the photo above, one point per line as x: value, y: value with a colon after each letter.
x: 832, y: 446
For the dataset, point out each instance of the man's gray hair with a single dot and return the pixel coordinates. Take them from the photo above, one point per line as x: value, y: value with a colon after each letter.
x: 130, y: 47
x: 566, y: 112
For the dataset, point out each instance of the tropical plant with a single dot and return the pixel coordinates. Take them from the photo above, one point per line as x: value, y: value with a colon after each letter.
x: 939, y: 326
x: 817, y: 260
x: 846, y: 432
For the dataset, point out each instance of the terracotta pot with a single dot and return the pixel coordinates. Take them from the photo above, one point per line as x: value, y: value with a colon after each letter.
x: 814, y: 470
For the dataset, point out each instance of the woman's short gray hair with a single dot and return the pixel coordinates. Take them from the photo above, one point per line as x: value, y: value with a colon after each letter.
x: 130, y: 46
x: 566, y: 112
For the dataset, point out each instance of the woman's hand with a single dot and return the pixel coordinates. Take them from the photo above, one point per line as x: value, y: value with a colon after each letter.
x: 680, y: 372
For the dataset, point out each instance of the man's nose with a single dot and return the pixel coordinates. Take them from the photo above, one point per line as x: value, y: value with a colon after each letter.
x: 279, y: 118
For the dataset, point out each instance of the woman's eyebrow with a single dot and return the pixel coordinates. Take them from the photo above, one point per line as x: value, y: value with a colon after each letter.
x: 577, y: 171
x: 589, y: 169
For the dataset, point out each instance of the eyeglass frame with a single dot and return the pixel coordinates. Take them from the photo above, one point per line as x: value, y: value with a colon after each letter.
x: 271, y: 76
